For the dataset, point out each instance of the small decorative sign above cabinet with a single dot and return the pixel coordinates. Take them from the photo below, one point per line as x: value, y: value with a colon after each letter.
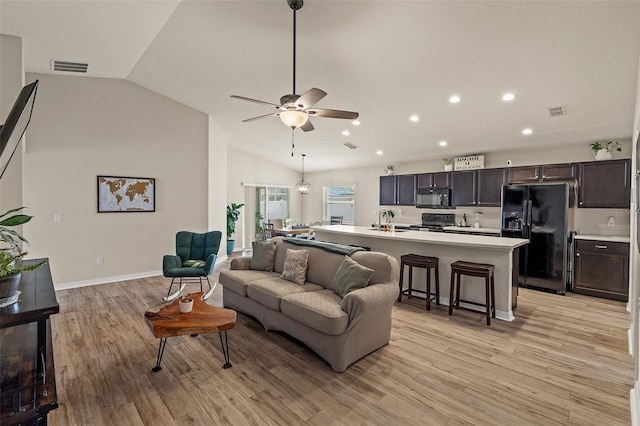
x: 469, y: 162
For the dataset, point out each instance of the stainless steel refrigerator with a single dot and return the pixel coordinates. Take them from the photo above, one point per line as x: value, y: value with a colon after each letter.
x: 542, y: 214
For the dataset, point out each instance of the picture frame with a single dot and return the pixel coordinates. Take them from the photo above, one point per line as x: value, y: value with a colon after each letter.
x: 121, y: 194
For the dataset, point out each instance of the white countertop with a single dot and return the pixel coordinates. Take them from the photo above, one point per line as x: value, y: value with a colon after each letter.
x: 611, y: 238
x: 471, y: 241
x: 472, y: 229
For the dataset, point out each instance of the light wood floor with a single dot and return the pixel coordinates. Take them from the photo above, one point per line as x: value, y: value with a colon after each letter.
x: 563, y: 360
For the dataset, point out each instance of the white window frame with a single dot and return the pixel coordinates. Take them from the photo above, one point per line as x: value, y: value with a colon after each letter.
x: 325, y: 202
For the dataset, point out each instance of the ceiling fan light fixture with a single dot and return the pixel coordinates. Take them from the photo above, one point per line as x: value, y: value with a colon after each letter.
x: 294, y: 118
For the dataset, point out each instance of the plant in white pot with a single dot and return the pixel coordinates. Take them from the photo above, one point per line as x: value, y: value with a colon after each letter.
x: 11, y: 254
x: 389, y: 170
x: 233, y: 213
x: 602, y: 150
x: 448, y: 164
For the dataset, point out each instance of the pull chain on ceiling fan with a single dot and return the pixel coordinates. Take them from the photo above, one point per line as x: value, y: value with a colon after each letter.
x: 295, y: 110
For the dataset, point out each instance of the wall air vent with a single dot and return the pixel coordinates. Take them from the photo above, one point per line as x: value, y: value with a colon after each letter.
x: 557, y: 111
x: 350, y: 145
x: 68, y: 66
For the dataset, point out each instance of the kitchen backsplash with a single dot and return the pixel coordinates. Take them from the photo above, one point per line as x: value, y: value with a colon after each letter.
x: 613, y: 222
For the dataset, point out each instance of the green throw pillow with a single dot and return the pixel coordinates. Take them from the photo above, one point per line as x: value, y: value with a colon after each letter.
x: 264, y: 254
x: 193, y: 263
x: 350, y: 276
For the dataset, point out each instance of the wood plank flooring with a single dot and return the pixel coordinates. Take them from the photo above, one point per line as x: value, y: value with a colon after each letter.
x: 563, y: 361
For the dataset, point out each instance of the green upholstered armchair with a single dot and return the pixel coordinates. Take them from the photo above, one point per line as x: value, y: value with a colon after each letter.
x: 194, y: 260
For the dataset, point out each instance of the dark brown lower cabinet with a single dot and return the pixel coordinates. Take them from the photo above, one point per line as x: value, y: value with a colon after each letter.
x: 602, y: 269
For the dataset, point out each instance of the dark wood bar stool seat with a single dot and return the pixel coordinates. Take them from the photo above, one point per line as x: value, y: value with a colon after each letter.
x: 424, y: 262
x: 483, y: 270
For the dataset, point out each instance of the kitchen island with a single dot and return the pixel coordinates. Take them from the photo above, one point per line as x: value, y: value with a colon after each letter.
x: 501, y: 252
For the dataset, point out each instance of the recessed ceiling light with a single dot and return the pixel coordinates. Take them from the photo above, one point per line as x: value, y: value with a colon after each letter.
x: 443, y: 143
x: 379, y: 152
x: 414, y: 118
x: 346, y: 132
x: 527, y: 131
x: 508, y: 97
x: 454, y: 99
x: 355, y: 122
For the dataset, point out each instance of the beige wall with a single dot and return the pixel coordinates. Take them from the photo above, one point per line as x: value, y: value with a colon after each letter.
x: 84, y: 127
x: 11, y: 82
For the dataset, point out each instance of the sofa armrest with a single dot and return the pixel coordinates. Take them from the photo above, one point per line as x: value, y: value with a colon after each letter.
x: 210, y: 263
x: 240, y: 263
x: 170, y: 261
x: 369, y: 300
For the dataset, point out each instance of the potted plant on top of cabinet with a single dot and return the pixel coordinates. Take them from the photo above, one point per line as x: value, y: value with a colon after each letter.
x: 10, y: 256
x: 602, y: 150
x: 448, y: 164
x: 389, y: 170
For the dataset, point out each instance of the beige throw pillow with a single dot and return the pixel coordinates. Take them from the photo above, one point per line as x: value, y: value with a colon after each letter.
x: 295, y: 266
x: 264, y: 253
x: 350, y: 276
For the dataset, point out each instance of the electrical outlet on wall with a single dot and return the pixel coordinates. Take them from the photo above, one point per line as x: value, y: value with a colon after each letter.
x: 99, y: 260
x: 612, y: 221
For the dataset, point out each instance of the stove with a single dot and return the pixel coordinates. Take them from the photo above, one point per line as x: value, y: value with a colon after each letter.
x: 435, y: 222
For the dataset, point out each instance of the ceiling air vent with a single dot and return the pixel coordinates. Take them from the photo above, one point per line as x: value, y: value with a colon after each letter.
x: 350, y: 145
x: 557, y: 111
x: 68, y: 66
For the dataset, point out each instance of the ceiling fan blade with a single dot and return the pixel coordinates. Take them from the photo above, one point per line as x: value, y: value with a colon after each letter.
x: 333, y: 113
x: 310, y: 97
x: 307, y: 127
x: 259, y: 117
x: 242, y: 98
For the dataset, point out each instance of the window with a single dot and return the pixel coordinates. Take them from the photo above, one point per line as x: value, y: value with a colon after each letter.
x: 339, y: 201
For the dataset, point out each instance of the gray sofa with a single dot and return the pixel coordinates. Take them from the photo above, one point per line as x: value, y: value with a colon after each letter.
x: 340, y: 330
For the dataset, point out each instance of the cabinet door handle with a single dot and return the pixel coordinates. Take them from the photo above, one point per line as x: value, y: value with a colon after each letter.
x: 601, y: 247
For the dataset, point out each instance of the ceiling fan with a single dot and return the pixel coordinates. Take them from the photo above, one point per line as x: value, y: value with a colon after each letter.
x: 294, y: 110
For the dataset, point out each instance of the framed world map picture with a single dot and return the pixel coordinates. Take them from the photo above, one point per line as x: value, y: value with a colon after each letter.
x: 126, y: 194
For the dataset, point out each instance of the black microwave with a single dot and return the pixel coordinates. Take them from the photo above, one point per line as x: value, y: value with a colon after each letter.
x: 433, y: 198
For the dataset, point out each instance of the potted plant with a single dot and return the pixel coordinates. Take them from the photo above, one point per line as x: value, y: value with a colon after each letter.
x: 10, y: 256
x: 448, y: 164
x: 233, y: 213
x: 389, y: 170
x: 602, y: 150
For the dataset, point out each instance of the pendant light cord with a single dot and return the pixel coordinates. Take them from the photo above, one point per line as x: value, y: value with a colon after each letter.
x: 294, y: 51
x: 292, y: 144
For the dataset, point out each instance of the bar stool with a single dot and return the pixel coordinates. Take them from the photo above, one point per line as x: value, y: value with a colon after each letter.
x: 418, y: 261
x: 487, y: 271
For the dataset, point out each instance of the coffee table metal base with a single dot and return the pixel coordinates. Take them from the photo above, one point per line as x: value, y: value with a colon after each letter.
x: 225, y: 351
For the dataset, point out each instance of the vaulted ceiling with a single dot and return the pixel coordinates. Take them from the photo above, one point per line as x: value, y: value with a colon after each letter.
x: 387, y: 60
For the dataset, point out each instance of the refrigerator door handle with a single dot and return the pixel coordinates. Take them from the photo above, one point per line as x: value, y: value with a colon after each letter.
x: 529, y: 208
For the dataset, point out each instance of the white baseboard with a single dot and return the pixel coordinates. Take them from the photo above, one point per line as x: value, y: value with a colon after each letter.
x: 116, y: 278
x: 106, y: 280
x: 501, y: 315
x: 634, y: 403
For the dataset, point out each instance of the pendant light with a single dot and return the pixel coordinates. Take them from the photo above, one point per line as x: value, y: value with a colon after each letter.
x: 303, y: 186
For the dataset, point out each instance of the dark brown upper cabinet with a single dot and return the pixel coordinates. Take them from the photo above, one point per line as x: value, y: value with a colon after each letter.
x: 542, y: 173
x: 464, y: 188
x: 434, y: 180
x: 490, y: 183
x: 398, y: 190
x: 604, y: 184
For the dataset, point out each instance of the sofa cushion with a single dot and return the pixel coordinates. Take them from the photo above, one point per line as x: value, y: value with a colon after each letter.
x: 264, y: 253
x: 237, y: 280
x: 269, y: 291
x: 319, y: 310
x: 295, y: 266
x: 350, y: 276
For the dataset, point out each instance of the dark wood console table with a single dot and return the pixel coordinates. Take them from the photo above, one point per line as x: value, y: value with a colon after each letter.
x: 27, y: 377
